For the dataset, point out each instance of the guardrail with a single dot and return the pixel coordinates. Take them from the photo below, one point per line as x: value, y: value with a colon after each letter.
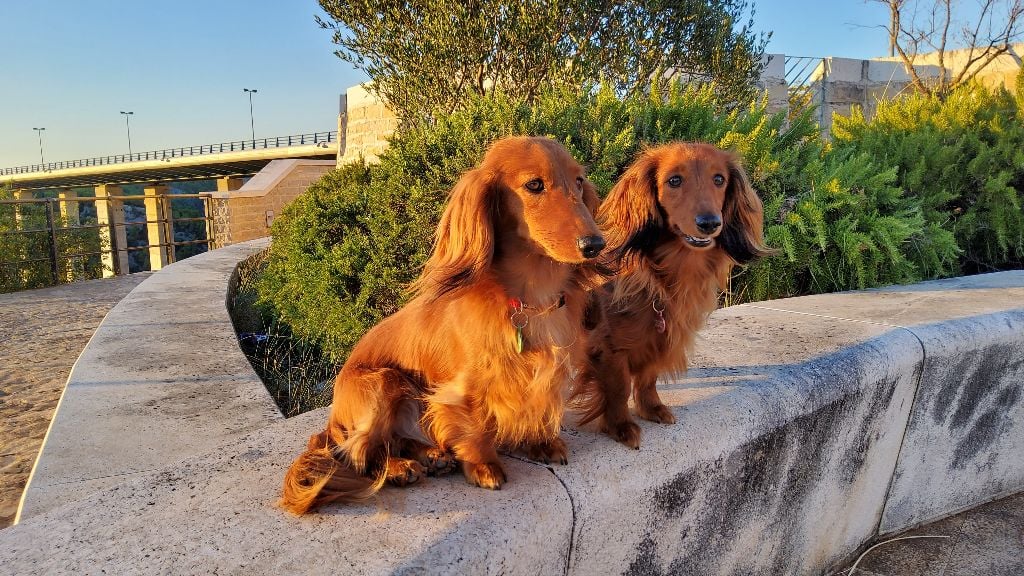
x: 236, y: 146
x: 42, y: 244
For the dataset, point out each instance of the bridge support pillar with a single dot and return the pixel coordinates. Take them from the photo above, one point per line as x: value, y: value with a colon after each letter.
x: 159, y: 227
x: 229, y: 183
x: 69, y: 206
x: 74, y: 267
x: 110, y: 218
x: 19, y: 209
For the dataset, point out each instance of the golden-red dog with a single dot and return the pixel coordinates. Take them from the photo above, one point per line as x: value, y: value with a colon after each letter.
x: 481, y: 357
x: 677, y: 221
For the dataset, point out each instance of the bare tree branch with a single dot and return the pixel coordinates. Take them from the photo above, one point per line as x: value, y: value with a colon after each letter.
x: 981, y: 42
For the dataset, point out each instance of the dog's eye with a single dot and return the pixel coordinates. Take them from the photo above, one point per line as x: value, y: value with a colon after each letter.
x: 719, y: 180
x: 536, y: 185
x: 675, y: 181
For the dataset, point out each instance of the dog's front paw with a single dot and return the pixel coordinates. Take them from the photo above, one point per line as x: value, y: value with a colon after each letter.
x: 658, y: 413
x: 549, y: 451
x: 626, y: 432
x: 488, y: 475
x: 402, y: 472
x: 438, y: 461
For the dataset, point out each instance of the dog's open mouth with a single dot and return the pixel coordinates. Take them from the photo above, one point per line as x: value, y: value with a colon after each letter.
x: 697, y: 242
x: 692, y: 240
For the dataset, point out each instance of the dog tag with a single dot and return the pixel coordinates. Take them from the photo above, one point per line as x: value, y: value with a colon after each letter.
x: 519, y: 320
x: 659, y: 317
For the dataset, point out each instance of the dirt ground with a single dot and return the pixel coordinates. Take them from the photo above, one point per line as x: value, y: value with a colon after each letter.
x: 42, y: 332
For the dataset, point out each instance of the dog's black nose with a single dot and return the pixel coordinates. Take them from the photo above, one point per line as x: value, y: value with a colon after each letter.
x: 590, y: 246
x: 708, y: 223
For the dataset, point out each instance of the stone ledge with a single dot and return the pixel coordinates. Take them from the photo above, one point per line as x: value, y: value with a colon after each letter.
x: 162, y: 379
x: 792, y: 450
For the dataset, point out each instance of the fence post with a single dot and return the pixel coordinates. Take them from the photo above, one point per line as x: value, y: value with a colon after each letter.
x: 211, y: 231
x: 54, y: 266
x: 167, y: 207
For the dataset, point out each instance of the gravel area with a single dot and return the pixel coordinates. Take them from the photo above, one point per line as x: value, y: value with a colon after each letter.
x: 42, y: 332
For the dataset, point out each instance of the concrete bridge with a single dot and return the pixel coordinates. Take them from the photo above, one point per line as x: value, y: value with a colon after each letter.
x: 204, y: 162
x: 227, y: 163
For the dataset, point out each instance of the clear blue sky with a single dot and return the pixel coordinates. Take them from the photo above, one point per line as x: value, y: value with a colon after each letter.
x: 72, y: 65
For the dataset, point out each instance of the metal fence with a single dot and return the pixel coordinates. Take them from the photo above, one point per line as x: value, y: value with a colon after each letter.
x: 315, y: 138
x: 49, y: 241
x: 801, y: 74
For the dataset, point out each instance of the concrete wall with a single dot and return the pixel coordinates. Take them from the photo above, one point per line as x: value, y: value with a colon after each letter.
x: 247, y: 213
x: 839, y: 84
x: 365, y: 122
x: 836, y: 86
x: 807, y: 427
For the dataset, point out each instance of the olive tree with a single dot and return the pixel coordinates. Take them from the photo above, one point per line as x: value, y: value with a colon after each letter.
x: 424, y: 57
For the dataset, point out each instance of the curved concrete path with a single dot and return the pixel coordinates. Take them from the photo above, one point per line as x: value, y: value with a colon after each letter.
x: 42, y: 332
x: 807, y: 427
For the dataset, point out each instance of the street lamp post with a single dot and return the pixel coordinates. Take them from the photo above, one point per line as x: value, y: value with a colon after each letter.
x: 39, y: 131
x: 251, y: 125
x: 129, y: 127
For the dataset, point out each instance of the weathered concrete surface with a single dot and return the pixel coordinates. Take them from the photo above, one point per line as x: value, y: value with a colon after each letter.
x: 790, y: 429
x: 965, y: 441
x: 787, y: 435
x: 162, y: 379
x: 216, y: 514
x: 42, y: 332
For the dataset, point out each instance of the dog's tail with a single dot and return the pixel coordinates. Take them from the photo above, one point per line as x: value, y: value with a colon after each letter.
x: 321, y: 475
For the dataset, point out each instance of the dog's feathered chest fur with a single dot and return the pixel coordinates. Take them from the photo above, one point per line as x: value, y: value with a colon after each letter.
x: 462, y: 348
x: 684, y: 283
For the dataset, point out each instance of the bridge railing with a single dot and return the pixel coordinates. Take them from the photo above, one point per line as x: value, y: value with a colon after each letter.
x: 314, y: 138
x: 49, y: 241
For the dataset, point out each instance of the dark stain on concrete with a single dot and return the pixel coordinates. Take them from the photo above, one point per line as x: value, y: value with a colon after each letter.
x: 647, y: 562
x: 976, y: 393
x: 983, y: 434
x: 673, y: 498
x: 1008, y: 397
x: 947, y: 393
x: 968, y: 382
x: 770, y: 478
x: 856, y: 453
x: 980, y: 382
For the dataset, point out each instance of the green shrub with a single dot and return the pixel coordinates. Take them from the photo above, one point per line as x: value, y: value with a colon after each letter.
x: 25, y: 251
x: 962, y: 159
x: 344, y: 252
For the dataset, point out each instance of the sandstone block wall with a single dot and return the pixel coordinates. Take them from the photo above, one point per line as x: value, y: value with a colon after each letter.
x: 248, y: 213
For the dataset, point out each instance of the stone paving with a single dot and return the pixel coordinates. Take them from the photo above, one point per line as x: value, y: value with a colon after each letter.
x: 42, y: 332
x: 984, y: 541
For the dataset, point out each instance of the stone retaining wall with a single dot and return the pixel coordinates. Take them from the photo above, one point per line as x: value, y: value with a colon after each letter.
x: 807, y: 427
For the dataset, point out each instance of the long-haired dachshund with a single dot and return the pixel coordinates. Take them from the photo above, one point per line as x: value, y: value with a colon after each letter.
x: 677, y: 221
x: 482, y: 356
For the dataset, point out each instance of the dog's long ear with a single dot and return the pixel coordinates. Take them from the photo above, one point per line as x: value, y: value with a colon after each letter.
x: 743, y: 234
x: 464, y: 242
x: 630, y: 216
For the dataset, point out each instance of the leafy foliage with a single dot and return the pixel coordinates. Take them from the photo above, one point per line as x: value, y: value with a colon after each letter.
x: 25, y: 252
x: 426, y: 58
x: 961, y: 158
x: 344, y: 252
